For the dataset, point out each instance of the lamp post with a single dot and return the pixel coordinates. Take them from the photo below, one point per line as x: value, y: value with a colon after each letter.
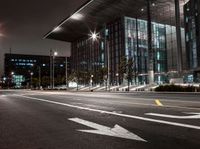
x: 39, y: 76
x: 50, y: 67
x: 117, y: 75
x: 94, y: 37
x: 66, y: 66
x: 91, y: 80
x: 10, y: 82
x: 31, y: 79
x: 54, y: 55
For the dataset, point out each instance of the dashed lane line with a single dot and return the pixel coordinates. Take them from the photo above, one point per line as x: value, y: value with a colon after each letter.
x: 158, y: 103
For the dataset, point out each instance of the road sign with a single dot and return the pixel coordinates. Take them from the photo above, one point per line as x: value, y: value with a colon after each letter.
x: 116, y: 131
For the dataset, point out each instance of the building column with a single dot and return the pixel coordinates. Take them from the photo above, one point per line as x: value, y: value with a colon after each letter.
x: 178, y: 38
x: 150, y: 50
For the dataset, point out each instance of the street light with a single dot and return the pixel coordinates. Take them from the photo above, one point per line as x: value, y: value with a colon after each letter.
x: 117, y: 75
x: 91, y: 80
x: 94, y: 37
x: 31, y: 79
x: 66, y: 74
x: 10, y: 79
x: 39, y: 76
x: 54, y: 55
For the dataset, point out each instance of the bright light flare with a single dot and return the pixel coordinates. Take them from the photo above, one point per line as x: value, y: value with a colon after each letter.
x: 57, y: 29
x: 77, y: 16
x: 94, y: 36
x: 55, y: 53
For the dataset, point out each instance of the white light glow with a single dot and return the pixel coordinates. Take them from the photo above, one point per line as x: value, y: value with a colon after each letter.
x: 57, y: 29
x: 77, y: 16
x: 93, y: 35
x: 55, y: 53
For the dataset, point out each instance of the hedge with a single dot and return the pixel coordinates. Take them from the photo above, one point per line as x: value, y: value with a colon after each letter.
x: 177, y: 88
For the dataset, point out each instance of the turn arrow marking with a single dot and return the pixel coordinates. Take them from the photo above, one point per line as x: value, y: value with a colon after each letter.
x: 193, y: 116
x: 116, y: 131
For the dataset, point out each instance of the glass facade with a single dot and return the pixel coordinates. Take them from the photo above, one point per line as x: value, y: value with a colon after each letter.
x: 192, y: 28
x: 136, y: 47
x: 126, y: 37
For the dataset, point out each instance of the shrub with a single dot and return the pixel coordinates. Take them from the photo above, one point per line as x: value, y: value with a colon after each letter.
x: 177, y: 88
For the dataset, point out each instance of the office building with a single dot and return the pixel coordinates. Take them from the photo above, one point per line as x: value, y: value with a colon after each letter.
x: 127, y: 38
x: 192, y: 33
x: 125, y: 29
x: 19, y: 69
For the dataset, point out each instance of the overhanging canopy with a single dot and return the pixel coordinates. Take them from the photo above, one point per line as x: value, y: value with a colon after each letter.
x: 95, y: 13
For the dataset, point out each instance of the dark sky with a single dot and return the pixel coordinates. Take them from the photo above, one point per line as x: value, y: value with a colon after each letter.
x: 24, y: 22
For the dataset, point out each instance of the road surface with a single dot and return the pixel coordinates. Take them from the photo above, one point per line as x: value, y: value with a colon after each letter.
x: 84, y: 120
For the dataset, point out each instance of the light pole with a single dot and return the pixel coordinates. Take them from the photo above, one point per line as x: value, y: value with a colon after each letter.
x: 66, y: 66
x: 50, y: 67
x: 117, y: 75
x: 39, y: 76
x: 54, y: 55
x: 94, y: 37
x: 31, y: 79
x: 91, y: 80
x: 10, y: 82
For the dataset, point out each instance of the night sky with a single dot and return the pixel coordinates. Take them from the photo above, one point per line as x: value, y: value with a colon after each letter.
x: 23, y: 23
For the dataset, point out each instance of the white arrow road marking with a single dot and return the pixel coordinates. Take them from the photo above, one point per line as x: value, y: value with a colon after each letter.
x: 115, y: 114
x: 117, y: 131
x: 193, y: 116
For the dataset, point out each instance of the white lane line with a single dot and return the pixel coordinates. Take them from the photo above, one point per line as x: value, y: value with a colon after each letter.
x: 193, y: 116
x: 116, y: 114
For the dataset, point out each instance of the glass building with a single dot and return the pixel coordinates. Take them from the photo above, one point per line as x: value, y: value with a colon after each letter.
x: 192, y: 29
x: 125, y: 38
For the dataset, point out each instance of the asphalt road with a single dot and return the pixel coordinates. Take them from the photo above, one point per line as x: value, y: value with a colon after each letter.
x: 71, y: 120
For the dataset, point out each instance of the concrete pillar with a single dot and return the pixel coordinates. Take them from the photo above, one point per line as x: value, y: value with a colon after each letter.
x: 150, y: 50
x: 178, y: 38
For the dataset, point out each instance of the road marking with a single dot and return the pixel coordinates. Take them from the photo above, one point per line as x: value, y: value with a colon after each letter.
x: 194, y: 116
x: 116, y: 131
x: 158, y: 102
x: 116, y: 114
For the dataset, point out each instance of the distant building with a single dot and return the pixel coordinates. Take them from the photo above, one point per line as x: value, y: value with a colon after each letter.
x: 192, y: 31
x: 18, y: 69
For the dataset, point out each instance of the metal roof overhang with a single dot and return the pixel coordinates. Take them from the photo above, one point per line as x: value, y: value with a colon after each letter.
x: 95, y: 13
